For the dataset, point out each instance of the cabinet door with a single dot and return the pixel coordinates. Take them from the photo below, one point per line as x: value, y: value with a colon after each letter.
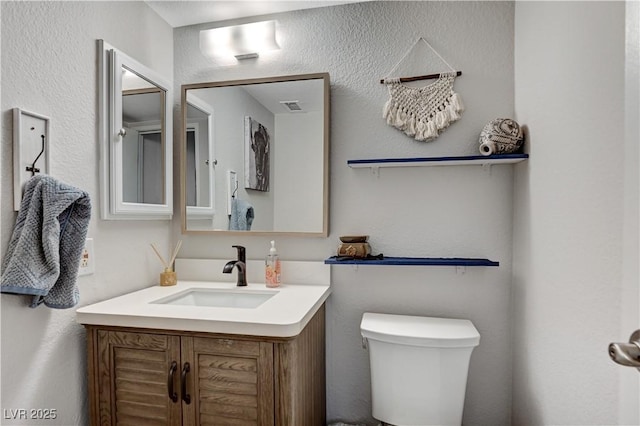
x: 134, y: 379
x: 230, y: 382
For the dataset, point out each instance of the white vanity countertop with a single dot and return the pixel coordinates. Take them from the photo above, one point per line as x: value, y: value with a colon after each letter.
x: 283, y: 315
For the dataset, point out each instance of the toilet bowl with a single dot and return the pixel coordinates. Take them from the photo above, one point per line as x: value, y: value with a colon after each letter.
x: 419, y: 367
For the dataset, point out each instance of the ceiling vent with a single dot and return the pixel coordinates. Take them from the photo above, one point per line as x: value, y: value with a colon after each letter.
x: 292, y: 106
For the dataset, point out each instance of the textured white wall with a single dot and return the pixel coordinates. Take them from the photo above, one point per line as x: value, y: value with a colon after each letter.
x: 574, y: 204
x: 450, y: 211
x: 49, y: 66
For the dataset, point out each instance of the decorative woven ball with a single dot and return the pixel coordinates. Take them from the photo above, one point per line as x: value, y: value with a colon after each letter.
x: 501, y: 136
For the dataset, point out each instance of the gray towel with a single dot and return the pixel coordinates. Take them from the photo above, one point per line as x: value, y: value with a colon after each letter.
x: 241, y: 215
x: 44, y: 252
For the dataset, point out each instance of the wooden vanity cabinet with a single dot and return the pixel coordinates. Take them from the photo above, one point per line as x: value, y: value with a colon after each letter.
x: 153, y: 377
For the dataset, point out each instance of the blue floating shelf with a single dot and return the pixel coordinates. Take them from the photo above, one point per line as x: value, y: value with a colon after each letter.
x: 439, y: 161
x: 414, y: 261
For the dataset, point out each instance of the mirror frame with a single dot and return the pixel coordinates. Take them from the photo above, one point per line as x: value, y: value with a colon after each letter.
x: 325, y: 169
x: 112, y: 204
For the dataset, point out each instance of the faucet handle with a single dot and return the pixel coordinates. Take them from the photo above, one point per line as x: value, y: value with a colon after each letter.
x: 241, y: 253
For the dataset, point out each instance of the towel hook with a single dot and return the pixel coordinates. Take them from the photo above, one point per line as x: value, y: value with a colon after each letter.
x: 32, y: 168
x: 235, y: 191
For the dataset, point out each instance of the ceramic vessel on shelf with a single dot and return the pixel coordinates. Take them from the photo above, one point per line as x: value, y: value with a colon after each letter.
x: 501, y: 136
x: 354, y: 246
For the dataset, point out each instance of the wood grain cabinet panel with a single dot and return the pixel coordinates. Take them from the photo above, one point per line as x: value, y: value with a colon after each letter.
x: 216, y: 380
x: 231, y: 380
x: 132, y: 379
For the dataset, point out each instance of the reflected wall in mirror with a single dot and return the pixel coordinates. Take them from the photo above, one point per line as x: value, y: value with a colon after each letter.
x: 199, y: 155
x: 136, y: 166
x: 142, y: 120
x: 294, y: 112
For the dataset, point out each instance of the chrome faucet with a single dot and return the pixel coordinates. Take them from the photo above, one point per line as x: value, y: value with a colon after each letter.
x: 241, y: 264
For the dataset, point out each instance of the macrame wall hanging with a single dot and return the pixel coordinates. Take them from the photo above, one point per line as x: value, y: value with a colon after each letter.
x: 422, y: 112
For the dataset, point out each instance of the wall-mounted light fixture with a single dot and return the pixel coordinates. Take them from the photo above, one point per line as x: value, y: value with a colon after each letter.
x: 242, y: 41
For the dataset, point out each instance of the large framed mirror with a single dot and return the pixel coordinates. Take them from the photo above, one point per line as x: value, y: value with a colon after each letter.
x: 136, y: 139
x: 255, y: 156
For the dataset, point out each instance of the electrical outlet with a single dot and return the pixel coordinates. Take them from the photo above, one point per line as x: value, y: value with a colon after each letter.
x: 88, y: 260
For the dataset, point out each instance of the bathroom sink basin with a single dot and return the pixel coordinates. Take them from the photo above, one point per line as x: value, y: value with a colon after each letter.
x: 218, y: 298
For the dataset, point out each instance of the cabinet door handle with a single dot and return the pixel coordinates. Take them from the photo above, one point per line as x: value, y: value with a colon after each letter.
x: 172, y: 394
x: 183, y: 383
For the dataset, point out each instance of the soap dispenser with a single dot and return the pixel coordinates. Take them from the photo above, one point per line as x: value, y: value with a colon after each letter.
x: 272, y: 267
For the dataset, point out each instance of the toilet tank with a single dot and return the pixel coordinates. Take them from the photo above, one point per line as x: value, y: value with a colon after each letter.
x: 419, y: 367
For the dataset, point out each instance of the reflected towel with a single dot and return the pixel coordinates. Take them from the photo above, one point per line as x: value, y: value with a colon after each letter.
x: 44, y: 252
x: 241, y: 215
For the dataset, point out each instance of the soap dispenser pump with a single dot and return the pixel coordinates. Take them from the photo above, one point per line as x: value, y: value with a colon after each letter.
x: 272, y: 267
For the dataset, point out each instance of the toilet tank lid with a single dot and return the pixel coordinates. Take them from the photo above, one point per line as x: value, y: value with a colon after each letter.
x: 419, y: 331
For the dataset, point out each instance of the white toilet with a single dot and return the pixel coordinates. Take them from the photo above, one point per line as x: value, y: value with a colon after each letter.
x: 419, y: 367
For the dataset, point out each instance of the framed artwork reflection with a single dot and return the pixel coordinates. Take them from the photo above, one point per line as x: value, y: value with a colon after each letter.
x: 257, y: 143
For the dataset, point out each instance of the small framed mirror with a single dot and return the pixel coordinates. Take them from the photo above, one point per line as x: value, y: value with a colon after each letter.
x: 255, y: 156
x: 136, y: 139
